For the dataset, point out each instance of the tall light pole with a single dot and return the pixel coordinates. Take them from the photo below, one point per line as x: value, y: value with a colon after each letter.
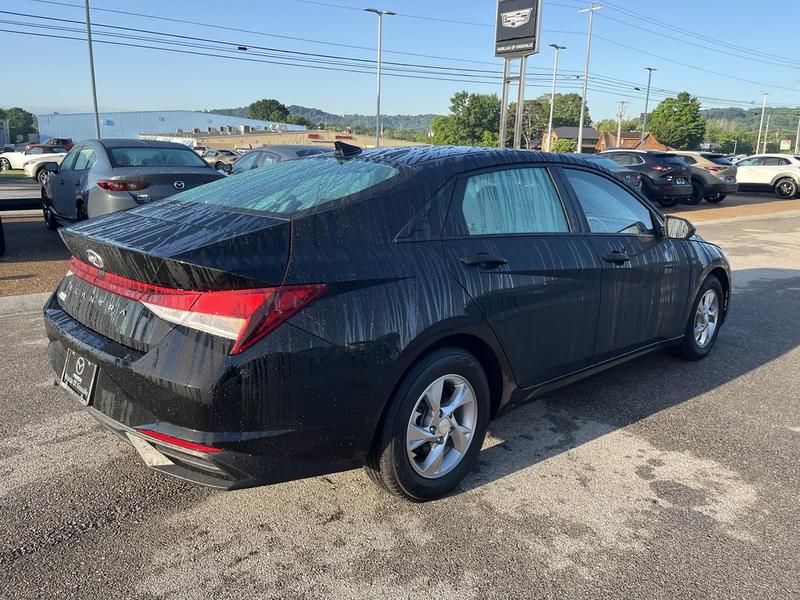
x: 761, y: 124
x: 91, y: 70
x: 766, y: 133
x: 380, y: 14
x: 590, y: 10
x: 797, y: 137
x: 646, y: 105
x: 622, y: 104
x: 556, y: 47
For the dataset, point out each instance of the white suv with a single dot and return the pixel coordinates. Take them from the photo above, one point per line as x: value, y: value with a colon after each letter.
x: 778, y: 173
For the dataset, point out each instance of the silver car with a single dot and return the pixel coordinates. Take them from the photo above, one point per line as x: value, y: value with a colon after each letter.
x: 103, y: 176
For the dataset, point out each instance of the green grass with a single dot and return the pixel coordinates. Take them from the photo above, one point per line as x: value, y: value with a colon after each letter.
x: 12, y: 174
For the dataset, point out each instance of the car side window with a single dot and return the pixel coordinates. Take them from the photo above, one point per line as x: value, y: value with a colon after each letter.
x: 625, y: 160
x: 747, y: 162
x: 609, y: 207
x: 688, y: 160
x: 774, y: 161
x: 512, y: 201
x: 38, y: 150
x: 86, y: 159
x: 267, y: 158
x: 246, y: 162
x: 68, y: 164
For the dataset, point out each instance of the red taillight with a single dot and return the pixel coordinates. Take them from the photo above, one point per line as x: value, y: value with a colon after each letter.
x: 245, y: 315
x: 715, y: 168
x: 178, y: 442
x: 122, y: 185
x: 661, y: 168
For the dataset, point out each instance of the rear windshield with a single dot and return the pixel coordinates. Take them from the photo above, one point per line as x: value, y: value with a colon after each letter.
x: 288, y: 187
x: 155, y: 157
x: 718, y: 159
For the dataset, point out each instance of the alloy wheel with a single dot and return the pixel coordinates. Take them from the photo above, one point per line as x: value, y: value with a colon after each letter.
x: 441, y: 427
x: 5, y: 165
x: 705, y: 319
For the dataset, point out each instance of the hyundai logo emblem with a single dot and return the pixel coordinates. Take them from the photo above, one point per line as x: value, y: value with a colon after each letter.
x: 95, y: 259
x: 179, y: 185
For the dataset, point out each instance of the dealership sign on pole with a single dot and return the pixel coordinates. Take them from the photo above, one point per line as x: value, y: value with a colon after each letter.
x: 516, y: 36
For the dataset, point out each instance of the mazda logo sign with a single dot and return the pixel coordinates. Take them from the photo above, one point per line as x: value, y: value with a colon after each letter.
x: 178, y: 185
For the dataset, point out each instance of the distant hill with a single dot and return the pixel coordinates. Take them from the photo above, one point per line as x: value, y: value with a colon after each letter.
x: 783, y: 119
x: 315, y: 115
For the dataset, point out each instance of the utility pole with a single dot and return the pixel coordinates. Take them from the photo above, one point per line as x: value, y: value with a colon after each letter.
x: 590, y: 10
x: 735, y: 143
x: 646, y: 105
x: 797, y: 137
x: 553, y: 97
x: 766, y: 133
x: 91, y: 70
x: 761, y: 124
x: 622, y: 104
x: 380, y: 14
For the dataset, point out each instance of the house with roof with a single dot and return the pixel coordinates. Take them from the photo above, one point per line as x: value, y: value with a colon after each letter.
x: 631, y: 140
x: 590, y: 138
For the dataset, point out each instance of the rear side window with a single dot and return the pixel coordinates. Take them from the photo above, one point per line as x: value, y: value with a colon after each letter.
x: 154, y: 157
x: 288, y: 187
x: 512, y: 201
x: 627, y: 160
x: 609, y: 207
x: 689, y: 160
x: 774, y: 161
x: 718, y: 159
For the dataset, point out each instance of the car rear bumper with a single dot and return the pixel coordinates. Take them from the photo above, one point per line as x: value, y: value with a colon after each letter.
x: 251, y: 444
x: 667, y: 189
x: 722, y: 188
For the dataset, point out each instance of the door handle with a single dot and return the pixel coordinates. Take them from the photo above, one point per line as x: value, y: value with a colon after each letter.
x: 487, y: 261
x: 616, y: 257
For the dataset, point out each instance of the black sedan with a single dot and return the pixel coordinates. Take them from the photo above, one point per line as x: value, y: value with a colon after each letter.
x: 371, y: 308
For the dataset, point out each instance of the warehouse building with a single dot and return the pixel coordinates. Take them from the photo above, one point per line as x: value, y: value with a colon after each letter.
x: 81, y: 126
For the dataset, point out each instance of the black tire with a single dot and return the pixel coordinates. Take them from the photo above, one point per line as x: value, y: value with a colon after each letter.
x: 698, y: 192
x: 80, y: 211
x: 5, y: 164
x: 389, y: 464
x: 42, y: 175
x: 219, y: 165
x: 689, y: 348
x: 2, y: 239
x: 715, y: 198
x: 667, y: 201
x: 785, y: 188
x: 49, y: 221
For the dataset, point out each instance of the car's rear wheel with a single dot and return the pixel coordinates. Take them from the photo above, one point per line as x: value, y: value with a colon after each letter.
x: 434, y: 427
x: 219, y: 165
x: 785, y: 188
x: 698, y: 191
x: 5, y: 164
x: 704, y: 320
x: 667, y: 201
x: 715, y: 198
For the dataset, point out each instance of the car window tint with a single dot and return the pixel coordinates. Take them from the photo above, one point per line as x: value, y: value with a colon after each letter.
x: 512, y: 201
x: 267, y: 158
x: 246, y: 162
x: 747, y: 162
x: 38, y: 150
x: 85, y: 160
x: 69, y: 160
x: 609, y: 208
x: 154, y: 157
x: 294, y: 185
x: 774, y: 161
x: 625, y: 159
x: 689, y: 160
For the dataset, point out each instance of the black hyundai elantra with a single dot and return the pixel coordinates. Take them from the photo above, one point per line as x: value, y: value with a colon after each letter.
x: 372, y: 307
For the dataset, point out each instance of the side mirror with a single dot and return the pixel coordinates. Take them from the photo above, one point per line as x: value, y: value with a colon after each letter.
x: 228, y: 168
x: 677, y: 228
x: 51, y: 166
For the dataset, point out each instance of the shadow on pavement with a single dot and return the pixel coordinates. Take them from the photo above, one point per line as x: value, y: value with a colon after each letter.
x: 761, y: 326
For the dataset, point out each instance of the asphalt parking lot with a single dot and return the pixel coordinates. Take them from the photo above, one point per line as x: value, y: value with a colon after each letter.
x: 658, y: 479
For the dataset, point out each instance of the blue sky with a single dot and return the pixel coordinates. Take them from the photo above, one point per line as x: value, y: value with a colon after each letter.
x: 747, y: 50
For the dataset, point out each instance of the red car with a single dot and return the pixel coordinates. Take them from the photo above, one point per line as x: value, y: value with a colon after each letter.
x: 65, y: 143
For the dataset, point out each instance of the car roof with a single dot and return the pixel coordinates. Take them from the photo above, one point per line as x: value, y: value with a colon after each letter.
x: 290, y: 149
x: 771, y: 155
x: 131, y: 143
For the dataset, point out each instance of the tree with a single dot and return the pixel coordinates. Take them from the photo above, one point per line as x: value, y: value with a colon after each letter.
x: 296, y: 120
x: 20, y: 121
x: 474, y: 120
x: 268, y: 110
x: 536, y: 114
x: 567, y: 111
x: 610, y: 125
x: 677, y: 122
x: 565, y: 145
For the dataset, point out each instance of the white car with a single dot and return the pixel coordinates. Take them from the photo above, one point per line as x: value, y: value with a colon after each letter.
x: 15, y: 160
x: 34, y: 165
x: 778, y: 173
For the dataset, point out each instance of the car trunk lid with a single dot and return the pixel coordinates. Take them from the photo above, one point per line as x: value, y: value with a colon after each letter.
x: 147, y: 184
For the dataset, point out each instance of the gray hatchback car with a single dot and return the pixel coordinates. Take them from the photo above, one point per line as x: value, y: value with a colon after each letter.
x: 104, y: 176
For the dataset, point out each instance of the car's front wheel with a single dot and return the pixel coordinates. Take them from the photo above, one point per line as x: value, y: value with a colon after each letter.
x: 786, y: 188
x: 219, y: 165
x: 715, y: 198
x: 698, y: 192
x: 704, y: 322
x: 42, y: 175
x: 434, y: 427
x: 5, y: 164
